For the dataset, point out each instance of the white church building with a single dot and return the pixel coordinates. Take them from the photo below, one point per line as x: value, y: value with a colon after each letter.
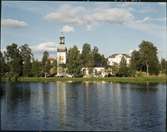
x: 115, y: 59
x: 61, y: 56
x: 95, y: 72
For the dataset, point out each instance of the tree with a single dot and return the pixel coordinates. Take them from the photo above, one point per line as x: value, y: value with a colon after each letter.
x: 3, y: 66
x: 45, y: 63
x: 14, y: 60
x: 53, y: 69
x: 148, y: 57
x: 98, y: 59
x: 36, y: 68
x: 114, y: 69
x: 73, y: 61
x: 26, y: 55
x: 103, y: 61
x: 87, y: 56
x: 123, y: 69
x: 135, y: 60
x: 163, y: 66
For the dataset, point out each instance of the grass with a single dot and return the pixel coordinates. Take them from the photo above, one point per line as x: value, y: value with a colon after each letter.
x: 150, y: 79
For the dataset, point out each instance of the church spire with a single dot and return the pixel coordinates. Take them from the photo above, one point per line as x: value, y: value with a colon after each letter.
x: 62, y: 38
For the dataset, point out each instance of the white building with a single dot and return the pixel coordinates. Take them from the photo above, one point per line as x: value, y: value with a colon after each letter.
x: 99, y: 72
x: 95, y: 72
x: 61, y: 56
x: 116, y: 59
x: 61, y: 51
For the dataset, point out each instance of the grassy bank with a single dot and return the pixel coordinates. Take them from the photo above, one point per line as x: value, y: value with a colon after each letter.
x: 151, y: 79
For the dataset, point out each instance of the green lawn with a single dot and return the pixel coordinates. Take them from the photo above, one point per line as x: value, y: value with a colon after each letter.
x: 151, y: 79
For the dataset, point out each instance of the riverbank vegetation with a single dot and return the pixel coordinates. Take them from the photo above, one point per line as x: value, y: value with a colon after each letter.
x: 18, y: 63
x: 150, y: 79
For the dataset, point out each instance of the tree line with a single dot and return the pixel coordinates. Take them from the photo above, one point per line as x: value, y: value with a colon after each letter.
x: 19, y: 61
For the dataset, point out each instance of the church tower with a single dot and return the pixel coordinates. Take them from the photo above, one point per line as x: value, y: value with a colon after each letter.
x: 61, y: 56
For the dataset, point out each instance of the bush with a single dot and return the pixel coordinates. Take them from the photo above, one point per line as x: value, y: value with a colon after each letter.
x: 140, y: 74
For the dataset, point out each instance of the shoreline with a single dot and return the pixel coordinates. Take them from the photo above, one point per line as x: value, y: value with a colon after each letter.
x: 150, y: 79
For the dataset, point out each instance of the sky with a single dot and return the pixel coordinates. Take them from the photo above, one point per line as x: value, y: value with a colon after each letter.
x: 114, y: 27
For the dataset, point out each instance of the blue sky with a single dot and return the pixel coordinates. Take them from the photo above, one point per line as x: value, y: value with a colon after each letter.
x: 112, y: 27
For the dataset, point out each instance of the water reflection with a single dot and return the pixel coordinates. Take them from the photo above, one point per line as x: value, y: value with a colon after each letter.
x: 83, y: 106
x: 61, y: 101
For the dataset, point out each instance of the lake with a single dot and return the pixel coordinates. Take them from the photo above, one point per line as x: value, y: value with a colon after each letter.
x: 83, y: 106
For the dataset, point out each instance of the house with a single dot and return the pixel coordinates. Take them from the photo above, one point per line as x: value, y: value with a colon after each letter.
x: 94, y: 72
x: 99, y: 72
x: 51, y: 60
x: 115, y: 59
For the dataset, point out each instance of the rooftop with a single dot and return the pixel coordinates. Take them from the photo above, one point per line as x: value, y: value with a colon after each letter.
x: 116, y: 54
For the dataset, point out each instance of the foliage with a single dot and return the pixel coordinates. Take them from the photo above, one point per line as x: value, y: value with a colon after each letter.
x: 123, y: 69
x: 145, y: 59
x: 45, y: 62
x: 148, y: 57
x: 141, y: 80
x: 14, y: 59
x: 53, y: 70
x: 163, y: 66
x: 87, y: 56
x: 36, y: 68
x: 26, y: 55
x: 135, y: 60
x: 99, y: 60
x: 18, y: 61
x: 3, y: 66
x: 73, y: 61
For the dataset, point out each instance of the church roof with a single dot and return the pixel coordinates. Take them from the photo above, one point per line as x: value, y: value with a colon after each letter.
x: 61, y: 47
x: 51, y: 58
x: 114, y: 55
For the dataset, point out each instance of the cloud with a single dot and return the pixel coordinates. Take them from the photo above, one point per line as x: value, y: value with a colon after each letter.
x: 67, y: 29
x: 82, y: 16
x: 66, y: 14
x: 12, y: 23
x: 113, y: 15
x: 45, y: 46
x: 90, y: 17
x: 147, y: 26
x: 162, y: 3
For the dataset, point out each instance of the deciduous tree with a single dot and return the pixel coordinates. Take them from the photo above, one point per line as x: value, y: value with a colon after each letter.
x: 148, y: 57
x: 26, y: 55
x: 73, y: 61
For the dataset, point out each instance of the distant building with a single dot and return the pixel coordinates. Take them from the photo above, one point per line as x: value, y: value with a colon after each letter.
x: 99, y: 72
x: 94, y: 72
x: 61, y: 56
x: 116, y: 59
x: 51, y: 60
x: 80, y: 51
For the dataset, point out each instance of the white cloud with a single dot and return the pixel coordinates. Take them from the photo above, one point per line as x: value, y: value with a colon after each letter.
x: 45, y: 46
x: 12, y: 23
x: 162, y: 3
x: 67, y: 29
x: 113, y: 15
x: 66, y: 14
x: 81, y: 16
x: 146, y: 25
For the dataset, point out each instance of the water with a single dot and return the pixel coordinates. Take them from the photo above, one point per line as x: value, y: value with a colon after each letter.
x: 83, y: 106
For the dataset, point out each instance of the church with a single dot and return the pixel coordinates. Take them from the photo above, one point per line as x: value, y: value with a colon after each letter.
x: 62, y: 59
x: 61, y: 56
